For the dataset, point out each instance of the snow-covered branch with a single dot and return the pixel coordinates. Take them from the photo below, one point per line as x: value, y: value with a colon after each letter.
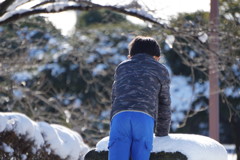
x: 4, y: 5
x: 10, y: 12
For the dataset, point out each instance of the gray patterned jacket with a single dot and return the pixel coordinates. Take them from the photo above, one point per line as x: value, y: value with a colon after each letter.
x: 142, y: 84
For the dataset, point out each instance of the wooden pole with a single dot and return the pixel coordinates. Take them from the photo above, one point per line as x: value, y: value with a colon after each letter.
x: 213, y: 72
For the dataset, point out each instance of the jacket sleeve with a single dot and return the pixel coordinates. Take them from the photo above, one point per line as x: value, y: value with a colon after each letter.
x: 114, y: 87
x: 113, y: 91
x: 163, y: 119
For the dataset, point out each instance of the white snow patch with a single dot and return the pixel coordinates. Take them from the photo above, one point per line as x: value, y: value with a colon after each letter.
x: 77, y: 103
x: 102, y: 145
x: 99, y: 69
x: 181, y: 93
x: 141, y: 12
x: 117, y: 58
x: 3, y: 122
x: 182, y: 96
x: 203, y: 37
x: 23, y: 157
x: 195, y: 147
x: 55, y: 68
x: 11, y: 13
x: 7, y: 148
x: 16, y: 4
x: 233, y: 92
x: 21, y: 125
x: 170, y: 40
x: 106, y: 50
x: 91, y: 58
x: 22, y: 76
x: 57, y: 6
x: 61, y: 140
x: 18, y: 94
x: 68, y: 115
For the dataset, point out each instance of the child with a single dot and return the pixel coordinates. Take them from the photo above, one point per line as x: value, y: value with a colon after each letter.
x: 140, y: 97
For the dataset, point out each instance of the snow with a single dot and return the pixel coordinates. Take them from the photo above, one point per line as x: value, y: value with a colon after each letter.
x: 77, y: 103
x: 229, y: 16
x: 99, y: 69
x: 231, y: 151
x: 170, y: 40
x: 105, y: 50
x: 68, y: 115
x: 182, y: 96
x: 141, y: 12
x: 55, y: 68
x: 23, y: 157
x: 91, y: 58
x: 233, y: 92
x: 117, y: 58
x: 192, y: 54
x: 203, y: 37
x: 21, y: 125
x: 195, y: 147
x: 61, y: 140
x: 181, y: 92
x: 22, y: 76
x: 74, y: 66
x: 18, y: 94
x: 16, y: 4
x: 56, y: 7
x: 236, y: 68
x: 11, y: 13
x: 7, y: 148
x: 36, y: 53
x: 237, y: 15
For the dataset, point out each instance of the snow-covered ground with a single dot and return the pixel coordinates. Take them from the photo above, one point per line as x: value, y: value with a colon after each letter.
x: 231, y: 151
x: 232, y: 156
x: 61, y: 140
x: 195, y: 147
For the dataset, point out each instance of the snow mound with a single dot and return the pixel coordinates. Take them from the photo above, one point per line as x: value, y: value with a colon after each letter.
x: 195, y: 147
x: 61, y: 141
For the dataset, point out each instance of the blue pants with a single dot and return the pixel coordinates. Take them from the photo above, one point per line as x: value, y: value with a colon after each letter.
x: 131, y: 135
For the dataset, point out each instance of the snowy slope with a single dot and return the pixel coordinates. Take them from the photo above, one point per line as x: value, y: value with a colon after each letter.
x: 61, y: 140
x: 195, y: 147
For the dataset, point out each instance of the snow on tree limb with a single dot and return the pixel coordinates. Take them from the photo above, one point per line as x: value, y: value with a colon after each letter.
x: 54, y: 6
x: 4, y: 5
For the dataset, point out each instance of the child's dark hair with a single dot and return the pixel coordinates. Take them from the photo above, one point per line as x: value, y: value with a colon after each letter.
x: 141, y: 44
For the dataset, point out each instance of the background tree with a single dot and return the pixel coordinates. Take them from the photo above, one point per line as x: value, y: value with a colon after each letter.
x: 188, y: 57
x: 87, y: 59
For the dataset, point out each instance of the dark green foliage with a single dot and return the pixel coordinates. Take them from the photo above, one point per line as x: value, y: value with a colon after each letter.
x: 176, y: 63
x: 197, y: 19
x: 93, y: 155
x: 102, y: 16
